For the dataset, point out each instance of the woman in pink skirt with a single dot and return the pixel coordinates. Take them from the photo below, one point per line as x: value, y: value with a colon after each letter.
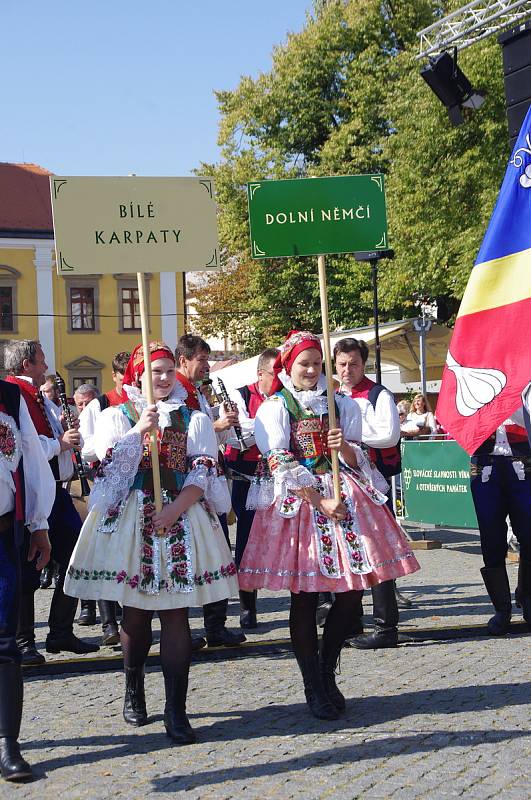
x: 301, y: 538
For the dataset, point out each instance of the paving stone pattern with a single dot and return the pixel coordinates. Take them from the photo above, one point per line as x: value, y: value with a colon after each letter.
x: 444, y: 717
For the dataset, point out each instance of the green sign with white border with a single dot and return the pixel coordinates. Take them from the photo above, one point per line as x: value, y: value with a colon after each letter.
x: 436, y: 484
x: 317, y: 216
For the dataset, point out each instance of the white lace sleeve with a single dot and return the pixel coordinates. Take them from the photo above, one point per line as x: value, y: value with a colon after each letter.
x: 120, y: 449
x: 202, y: 455
x: 118, y: 474
x: 369, y: 470
x: 284, y: 473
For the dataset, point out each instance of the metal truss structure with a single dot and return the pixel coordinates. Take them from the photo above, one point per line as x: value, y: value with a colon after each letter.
x: 471, y: 23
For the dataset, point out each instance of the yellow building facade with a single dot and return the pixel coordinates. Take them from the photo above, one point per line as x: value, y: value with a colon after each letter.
x: 81, y: 322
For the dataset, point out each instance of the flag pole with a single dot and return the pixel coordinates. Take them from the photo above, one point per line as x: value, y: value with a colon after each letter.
x: 148, y: 384
x: 330, y: 393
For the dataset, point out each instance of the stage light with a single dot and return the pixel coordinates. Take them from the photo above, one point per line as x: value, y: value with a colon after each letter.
x: 451, y: 86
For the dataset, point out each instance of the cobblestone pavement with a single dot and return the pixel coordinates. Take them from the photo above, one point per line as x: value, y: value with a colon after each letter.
x: 444, y: 715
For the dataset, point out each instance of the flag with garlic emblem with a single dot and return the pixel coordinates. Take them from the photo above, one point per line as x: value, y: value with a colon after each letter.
x: 489, y: 358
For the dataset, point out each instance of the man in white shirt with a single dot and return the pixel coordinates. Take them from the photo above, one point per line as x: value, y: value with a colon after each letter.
x: 26, y: 363
x: 26, y: 497
x: 381, y: 433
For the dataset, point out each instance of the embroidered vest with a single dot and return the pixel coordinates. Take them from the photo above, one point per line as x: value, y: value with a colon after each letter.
x: 308, y: 433
x: 172, y: 451
x: 246, y: 462
x: 10, y: 404
x: 387, y: 459
x: 35, y: 404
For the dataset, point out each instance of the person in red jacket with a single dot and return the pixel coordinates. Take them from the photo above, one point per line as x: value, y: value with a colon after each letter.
x: 116, y: 396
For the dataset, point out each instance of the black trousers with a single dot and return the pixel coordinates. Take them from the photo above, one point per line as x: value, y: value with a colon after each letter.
x: 240, y: 490
x: 503, y: 494
x: 65, y: 527
x: 9, y: 596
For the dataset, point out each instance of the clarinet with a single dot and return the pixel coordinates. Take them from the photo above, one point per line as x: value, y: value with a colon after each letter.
x: 79, y: 467
x: 229, y: 405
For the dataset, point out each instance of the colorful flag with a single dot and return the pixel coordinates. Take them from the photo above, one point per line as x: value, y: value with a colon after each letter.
x: 489, y: 359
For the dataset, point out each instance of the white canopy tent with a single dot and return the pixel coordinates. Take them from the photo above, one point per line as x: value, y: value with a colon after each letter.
x: 399, y: 354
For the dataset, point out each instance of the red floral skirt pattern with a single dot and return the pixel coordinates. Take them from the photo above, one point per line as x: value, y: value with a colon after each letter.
x: 306, y: 552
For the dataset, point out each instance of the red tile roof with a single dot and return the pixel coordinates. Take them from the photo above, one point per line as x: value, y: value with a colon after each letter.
x: 25, y: 203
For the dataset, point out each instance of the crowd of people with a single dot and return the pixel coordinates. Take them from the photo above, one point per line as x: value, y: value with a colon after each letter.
x: 267, y: 456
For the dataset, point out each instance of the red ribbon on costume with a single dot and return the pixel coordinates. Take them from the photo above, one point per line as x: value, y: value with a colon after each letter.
x: 192, y: 399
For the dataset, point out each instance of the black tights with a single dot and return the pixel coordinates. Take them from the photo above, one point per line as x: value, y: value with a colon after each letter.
x: 175, y: 641
x: 303, y: 627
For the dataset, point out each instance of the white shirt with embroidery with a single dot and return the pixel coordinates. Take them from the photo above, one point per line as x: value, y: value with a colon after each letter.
x: 39, y: 483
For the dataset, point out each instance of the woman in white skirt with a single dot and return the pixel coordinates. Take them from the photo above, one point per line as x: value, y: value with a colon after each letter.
x: 148, y: 561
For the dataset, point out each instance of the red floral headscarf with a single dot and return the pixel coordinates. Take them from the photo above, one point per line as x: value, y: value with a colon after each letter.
x: 136, y: 366
x: 295, y: 343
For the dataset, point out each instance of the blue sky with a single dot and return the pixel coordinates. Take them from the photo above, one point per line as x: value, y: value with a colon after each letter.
x: 110, y: 87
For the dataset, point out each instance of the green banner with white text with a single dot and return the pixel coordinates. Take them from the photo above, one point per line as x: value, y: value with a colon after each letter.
x: 436, y: 484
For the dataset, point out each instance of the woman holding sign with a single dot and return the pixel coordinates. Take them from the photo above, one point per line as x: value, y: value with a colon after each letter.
x: 153, y: 561
x: 304, y: 540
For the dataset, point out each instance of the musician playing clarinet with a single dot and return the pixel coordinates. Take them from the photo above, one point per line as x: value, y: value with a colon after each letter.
x: 243, y: 464
x: 26, y: 364
x: 191, y: 357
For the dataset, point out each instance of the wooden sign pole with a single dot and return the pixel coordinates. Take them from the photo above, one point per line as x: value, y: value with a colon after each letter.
x: 153, y: 443
x: 330, y: 393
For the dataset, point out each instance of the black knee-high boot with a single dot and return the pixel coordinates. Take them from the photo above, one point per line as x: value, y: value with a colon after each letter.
x: 497, y: 585
x: 303, y: 632
x: 26, y: 631
x: 523, y: 590
x: 385, y: 615
x: 61, y: 622
x: 329, y: 662
x: 109, y: 626
x: 135, y: 712
x: 12, y: 766
x: 248, y: 609
x: 176, y: 722
x: 317, y: 699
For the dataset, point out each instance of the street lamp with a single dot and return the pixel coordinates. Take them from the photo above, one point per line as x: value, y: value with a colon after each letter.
x: 372, y: 257
x: 428, y: 309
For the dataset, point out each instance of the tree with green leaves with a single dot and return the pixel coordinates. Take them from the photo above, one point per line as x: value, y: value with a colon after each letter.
x: 344, y: 96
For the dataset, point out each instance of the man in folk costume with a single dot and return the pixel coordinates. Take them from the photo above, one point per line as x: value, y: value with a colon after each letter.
x: 381, y: 434
x: 247, y: 401
x: 500, y: 481
x: 192, y: 367
x: 26, y: 497
x: 87, y: 425
x: 25, y: 361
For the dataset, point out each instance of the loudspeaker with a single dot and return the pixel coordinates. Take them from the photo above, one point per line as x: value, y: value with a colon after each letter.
x: 516, y: 51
